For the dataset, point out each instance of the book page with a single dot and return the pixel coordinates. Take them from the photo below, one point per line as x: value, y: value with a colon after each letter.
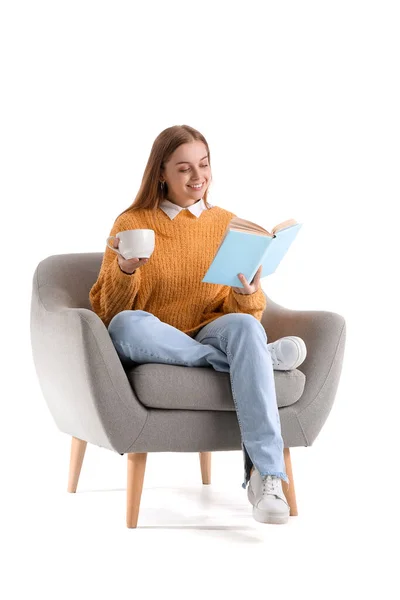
x: 284, y: 225
x: 238, y: 224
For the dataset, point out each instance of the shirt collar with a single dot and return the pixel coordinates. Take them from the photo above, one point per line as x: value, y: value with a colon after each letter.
x: 172, y: 210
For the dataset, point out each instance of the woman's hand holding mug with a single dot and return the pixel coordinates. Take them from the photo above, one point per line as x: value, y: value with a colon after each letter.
x: 129, y: 265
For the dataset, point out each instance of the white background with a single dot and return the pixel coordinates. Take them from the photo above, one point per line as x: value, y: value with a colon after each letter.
x: 299, y: 102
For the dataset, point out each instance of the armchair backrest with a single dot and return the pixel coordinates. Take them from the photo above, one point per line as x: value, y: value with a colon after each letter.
x: 70, y: 277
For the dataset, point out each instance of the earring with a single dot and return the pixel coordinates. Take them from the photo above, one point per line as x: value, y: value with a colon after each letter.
x: 162, y: 186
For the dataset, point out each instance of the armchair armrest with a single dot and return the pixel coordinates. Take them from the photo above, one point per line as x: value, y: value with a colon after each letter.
x: 80, y: 373
x: 324, y: 334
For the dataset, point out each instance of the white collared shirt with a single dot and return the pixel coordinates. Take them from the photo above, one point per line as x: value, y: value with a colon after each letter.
x: 172, y: 209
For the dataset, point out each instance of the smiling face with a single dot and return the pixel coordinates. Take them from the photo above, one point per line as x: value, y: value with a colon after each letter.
x: 187, y: 167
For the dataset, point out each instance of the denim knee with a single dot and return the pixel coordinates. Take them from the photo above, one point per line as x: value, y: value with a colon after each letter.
x: 119, y: 321
x: 244, y: 322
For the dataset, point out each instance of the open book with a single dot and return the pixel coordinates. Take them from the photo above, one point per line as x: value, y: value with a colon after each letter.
x: 245, y: 246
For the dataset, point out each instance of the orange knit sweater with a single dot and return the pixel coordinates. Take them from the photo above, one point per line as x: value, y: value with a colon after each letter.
x: 169, y: 285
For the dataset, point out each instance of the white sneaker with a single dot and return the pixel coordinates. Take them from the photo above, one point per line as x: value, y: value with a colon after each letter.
x: 287, y: 353
x: 268, y: 500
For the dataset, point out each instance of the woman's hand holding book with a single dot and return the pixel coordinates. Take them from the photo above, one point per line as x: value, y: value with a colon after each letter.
x: 249, y: 288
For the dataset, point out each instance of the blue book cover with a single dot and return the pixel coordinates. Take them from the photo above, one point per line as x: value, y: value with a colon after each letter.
x: 245, y: 247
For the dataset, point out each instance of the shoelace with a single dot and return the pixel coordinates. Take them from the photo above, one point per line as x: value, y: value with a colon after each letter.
x: 270, y: 484
x: 272, y: 351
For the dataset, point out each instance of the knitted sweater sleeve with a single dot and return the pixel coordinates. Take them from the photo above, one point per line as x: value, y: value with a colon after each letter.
x: 114, y: 290
x: 253, y: 304
x: 229, y: 301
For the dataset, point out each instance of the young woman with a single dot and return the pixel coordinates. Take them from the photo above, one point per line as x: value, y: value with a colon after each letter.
x: 157, y: 310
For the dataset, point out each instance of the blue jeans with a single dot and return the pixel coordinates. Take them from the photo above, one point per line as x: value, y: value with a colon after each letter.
x: 234, y: 343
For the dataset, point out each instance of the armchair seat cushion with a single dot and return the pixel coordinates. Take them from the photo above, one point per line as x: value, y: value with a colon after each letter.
x: 158, y: 385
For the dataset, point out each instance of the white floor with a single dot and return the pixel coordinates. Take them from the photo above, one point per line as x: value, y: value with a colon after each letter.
x: 192, y: 540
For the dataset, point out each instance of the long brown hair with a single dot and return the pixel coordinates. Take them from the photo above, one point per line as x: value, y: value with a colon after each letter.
x: 151, y: 193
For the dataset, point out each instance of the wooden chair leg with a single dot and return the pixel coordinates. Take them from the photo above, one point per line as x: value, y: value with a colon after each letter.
x: 136, y: 469
x: 78, y: 448
x: 205, y: 465
x: 289, y: 490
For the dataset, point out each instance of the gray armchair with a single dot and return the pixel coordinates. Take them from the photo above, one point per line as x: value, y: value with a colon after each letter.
x: 157, y: 407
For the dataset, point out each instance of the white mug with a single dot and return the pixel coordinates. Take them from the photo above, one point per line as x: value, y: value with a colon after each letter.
x: 134, y: 243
